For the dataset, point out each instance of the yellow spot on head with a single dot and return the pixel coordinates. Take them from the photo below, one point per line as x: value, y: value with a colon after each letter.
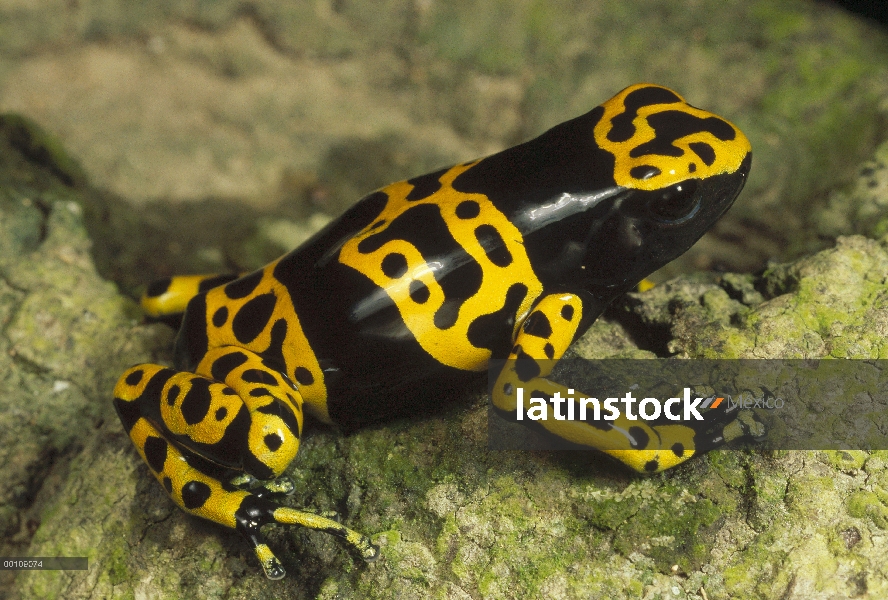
x: 658, y: 139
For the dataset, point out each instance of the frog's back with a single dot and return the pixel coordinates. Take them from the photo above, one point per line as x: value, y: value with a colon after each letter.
x: 425, y: 280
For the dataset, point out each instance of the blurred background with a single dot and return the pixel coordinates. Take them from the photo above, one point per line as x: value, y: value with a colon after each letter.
x: 219, y: 134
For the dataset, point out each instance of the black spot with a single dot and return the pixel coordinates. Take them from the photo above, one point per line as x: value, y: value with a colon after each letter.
x: 155, y: 453
x: 425, y: 185
x: 378, y: 224
x: 279, y: 409
x: 549, y: 350
x: 303, y: 376
x: 651, y: 465
x: 168, y: 485
x: 567, y: 312
x: 243, y: 287
x: 692, y: 167
x: 252, y: 318
x: 704, y: 151
x: 419, y: 293
x: 273, y: 441
x: 394, y: 265
x: 257, y: 376
x: 273, y: 357
x: 135, y: 377
x: 526, y: 367
x: 259, y: 392
x: 622, y: 128
x: 195, y: 494
x: 644, y: 172
x: 507, y: 389
x: 678, y: 449
x: 197, y: 401
x: 221, y: 413
x: 228, y: 391
x: 672, y: 125
x: 226, y: 364
x: 494, y: 330
x: 537, y: 324
x: 173, y: 394
x: 154, y: 388
x: 493, y: 245
x: 422, y: 225
x: 193, y: 341
x: 468, y: 209
x: 210, y: 283
x: 158, y: 287
x: 128, y: 412
x: 220, y: 317
x: 640, y: 438
x: 447, y: 315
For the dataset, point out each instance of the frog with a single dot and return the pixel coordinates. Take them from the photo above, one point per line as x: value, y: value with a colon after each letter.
x: 419, y: 286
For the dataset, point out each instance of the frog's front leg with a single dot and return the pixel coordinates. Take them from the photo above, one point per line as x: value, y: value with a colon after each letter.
x: 234, y: 414
x: 546, y: 335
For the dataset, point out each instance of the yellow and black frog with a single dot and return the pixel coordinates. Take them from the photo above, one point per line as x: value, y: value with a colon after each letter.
x: 419, y: 285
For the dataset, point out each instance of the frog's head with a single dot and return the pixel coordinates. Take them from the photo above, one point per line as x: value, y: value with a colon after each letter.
x: 607, y: 198
x: 677, y: 168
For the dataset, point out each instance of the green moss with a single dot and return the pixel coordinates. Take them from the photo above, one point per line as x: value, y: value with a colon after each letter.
x: 872, y: 505
x: 117, y: 566
x: 846, y: 460
x: 674, y: 531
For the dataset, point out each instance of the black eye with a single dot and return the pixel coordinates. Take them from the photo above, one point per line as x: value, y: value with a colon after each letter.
x: 676, y: 203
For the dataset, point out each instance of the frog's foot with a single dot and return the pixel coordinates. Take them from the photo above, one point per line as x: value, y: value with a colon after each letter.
x: 282, y: 485
x: 255, y: 512
x: 745, y: 426
x: 683, y: 442
x: 169, y: 296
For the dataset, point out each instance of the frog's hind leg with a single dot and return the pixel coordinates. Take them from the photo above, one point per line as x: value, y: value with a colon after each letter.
x: 167, y: 298
x: 192, y: 430
x: 205, y: 496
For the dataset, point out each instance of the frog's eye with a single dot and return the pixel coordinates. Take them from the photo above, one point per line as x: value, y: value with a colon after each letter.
x: 676, y: 203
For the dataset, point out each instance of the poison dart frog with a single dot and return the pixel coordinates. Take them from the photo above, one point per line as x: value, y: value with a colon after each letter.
x: 418, y: 286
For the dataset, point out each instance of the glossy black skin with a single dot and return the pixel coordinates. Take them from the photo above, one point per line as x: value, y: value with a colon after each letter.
x: 375, y: 369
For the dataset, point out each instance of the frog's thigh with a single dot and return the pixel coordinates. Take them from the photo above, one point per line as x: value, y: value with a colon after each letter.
x: 546, y: 335
x: 253, y: 427
x: 273, y: 407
